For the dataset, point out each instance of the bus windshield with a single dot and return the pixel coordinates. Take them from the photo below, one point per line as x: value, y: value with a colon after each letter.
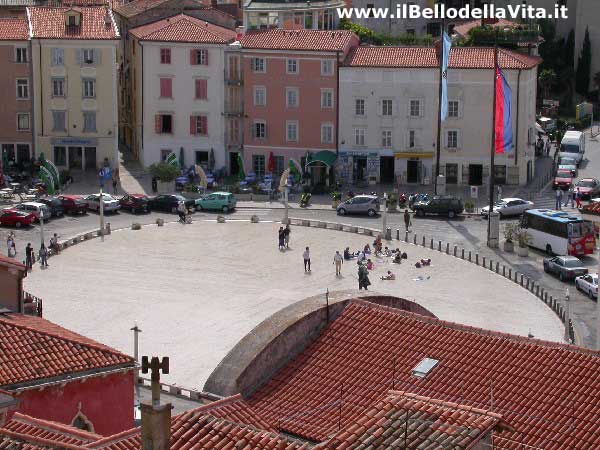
x: 569, y: 148
x: 580, y: 229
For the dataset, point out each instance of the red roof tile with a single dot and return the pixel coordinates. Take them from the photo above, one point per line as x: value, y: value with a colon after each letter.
x: 548, y: 392
x: 415, y: 422
x: 182, y: 28
x: 313, y: 40
x: 136, y: 7
x: 49, y: 23
x: 32, y: 348
x: 13, y: 29
x: 426, y: 57
x: 464, y: 28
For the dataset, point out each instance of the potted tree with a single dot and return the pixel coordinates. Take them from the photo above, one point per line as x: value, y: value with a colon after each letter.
x: 392, y: 202
x: 469, y: 206
x: 165, y: 174
x: 336, y: 198
x: 510, y: 231
x: 523, y: 239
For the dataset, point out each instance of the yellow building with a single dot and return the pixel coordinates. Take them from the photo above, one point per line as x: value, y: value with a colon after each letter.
x: 74, y: 54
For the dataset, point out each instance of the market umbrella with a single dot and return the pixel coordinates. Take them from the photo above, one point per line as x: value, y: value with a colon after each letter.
x: 241, y: 175
x: 41, y: 158
x: 172, y: 160
x: 211, y: 160
x: 181, y: 158
x: 271, y: 164
x: 200, y: 172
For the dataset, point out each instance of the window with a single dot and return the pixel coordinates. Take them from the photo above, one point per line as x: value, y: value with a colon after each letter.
x: 163, y: 124
x: 165, y: 56
x: 199, y: 125
x: 260, y: 96
x: 259, y: 130
x: 21, y: 54
x: 291, y: 133
x: 166, y: 88
x: 452, y: 139
x: 202, y: 158
x: 201, y: 89
x: 23, y: 89
x: 58, y: 87
x: 23, y: 121
x: 72, y: 21
x: 58, y: 57
x: 370, y: 7
x: 258, y: 65
x: 499, y: 174
x: 199, y: 57
x: 326, y: 133
x: 59, y: 121
x: 258, y: 165
x: 386, y: 107
x: 451, y: 173
x: 89, y: 88
x: 292, y: 66
x: 386, y: 138
x: 359, y: 136
x: 415, y: 108
x: 88, y: 56
x: 89, y: 121
x: 326, y: 98
x: 453, y: 108
x: 164, y: 154
x: 60, y: 156
x: 327, y: 67
x: 412, y: 139
x: 291, y: 97
x: 359, y: 107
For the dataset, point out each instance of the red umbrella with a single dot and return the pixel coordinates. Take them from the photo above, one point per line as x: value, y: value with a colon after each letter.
x: 271, y: 164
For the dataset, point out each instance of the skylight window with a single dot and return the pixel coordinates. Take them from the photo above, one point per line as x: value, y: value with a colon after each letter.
x: 424, y: 367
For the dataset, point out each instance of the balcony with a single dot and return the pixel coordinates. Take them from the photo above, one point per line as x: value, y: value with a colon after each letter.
x: 32, y: 305
x: 233, y: 111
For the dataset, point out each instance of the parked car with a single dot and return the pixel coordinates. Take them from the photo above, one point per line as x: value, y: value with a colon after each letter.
x: 588, y: 187
x: 568, y: 164
x: 416, y: 198
x: 55, y: 205
x: 563, y: 179
x: 73, y: 204
x: 35, y: 208
x: 135, y: 203
x: 439, y: 204
x: 169, y: 203
x: 360, y: 204
x: 220, y: 201
x: 588, y: 284
x: 14, y: 218
x: 110, y: 204
x: 566, y: 267
x: 509, y: 207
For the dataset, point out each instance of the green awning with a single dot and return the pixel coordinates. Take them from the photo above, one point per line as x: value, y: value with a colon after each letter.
x: 325, y: 156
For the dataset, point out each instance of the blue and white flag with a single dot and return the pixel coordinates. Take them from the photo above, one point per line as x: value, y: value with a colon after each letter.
x: 105, y: 174
x: 446, y: 46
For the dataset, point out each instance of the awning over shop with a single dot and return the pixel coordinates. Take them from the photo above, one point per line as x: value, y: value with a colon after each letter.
x: 325, y: 156
x: 407, y: 155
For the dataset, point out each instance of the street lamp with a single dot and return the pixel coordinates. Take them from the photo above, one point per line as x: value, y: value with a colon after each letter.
x: 567, y: 318
x: 42, y: 216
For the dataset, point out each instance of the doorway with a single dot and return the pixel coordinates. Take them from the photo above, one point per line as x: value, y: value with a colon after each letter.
x: 75, y: 158
x: 386, y: 169
x: 475, y: 174
x: 90, y: 158
x: 413, y: 169
x: 529, y: 171
x: 360, y: 169
x: 234, y: 167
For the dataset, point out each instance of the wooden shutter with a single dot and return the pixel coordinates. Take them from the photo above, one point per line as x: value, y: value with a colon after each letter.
x: 166, y: 86
x: 158, y: 123
x: 192, y: 125
x: 203, y: 125
x: 193, y: 57
x: 79, y: 56
x: 97, y: 57
x: 201, y: 89
x: 205, y: 57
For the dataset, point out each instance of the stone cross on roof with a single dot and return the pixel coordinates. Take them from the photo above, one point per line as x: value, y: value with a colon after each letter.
x: 155, y: 366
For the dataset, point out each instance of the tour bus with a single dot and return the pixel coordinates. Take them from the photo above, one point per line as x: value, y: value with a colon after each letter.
x: 557, y: 233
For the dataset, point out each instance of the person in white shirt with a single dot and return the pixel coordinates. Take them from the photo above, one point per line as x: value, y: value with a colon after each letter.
x: 338, y: 260
x: 306, y: 256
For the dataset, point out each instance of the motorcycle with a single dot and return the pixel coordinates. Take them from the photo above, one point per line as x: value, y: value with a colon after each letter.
x: 305, y: 199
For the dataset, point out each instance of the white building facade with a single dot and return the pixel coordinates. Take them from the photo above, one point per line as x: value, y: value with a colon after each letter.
x: 178, y: 90
x: 388, y: 117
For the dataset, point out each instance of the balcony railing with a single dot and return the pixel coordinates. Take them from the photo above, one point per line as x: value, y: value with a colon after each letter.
x: 32, y: 305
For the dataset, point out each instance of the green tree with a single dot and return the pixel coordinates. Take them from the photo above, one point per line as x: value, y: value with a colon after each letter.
x: 164, y: 172
x: 547, y: 78
x: 597, y: 80
x: 584, y: 65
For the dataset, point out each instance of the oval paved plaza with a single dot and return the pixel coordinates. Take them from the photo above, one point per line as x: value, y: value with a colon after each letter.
x: 196, y: 290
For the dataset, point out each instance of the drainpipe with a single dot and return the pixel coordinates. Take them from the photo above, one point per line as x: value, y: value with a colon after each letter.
x: 142, y: 97
x: 42, y: 109
x: 337, y: 101
x: 518, y: 123
x: 32, y: 100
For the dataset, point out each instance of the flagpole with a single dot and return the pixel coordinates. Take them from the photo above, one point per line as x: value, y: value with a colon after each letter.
x: 101, y: 213
x: 439, y: 128
x: 493, y: 146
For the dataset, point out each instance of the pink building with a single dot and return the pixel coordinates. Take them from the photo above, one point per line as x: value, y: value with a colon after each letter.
x: 291, y: 98
x: 15, y: 84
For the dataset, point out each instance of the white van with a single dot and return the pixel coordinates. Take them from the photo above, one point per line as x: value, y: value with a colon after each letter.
x: 572, y: 146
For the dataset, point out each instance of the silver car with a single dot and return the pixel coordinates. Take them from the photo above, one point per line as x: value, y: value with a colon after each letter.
x: 110, y: 204
x: 566, y: 267
x: 588, y: 284
x: 360, y: 204
x: 36, y: 208
x: 509, y: 207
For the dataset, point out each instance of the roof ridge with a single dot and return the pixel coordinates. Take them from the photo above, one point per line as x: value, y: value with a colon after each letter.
x: 38, y: 440
x: 114, y: 438
x: 477, y: 330
x: 208, y: 406
x: 206, y: 27
x: 56, y: 426
x: 93, y: 344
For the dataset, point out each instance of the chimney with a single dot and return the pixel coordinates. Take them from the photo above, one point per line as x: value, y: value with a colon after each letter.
x: 107, y: 20
x: 156, y: 418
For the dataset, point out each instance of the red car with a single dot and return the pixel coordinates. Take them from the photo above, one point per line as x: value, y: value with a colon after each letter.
x: 135, y: 203
x: 14, y: 218
x: 563, y: 180
x: 73, y: 204
x: 588, y: 187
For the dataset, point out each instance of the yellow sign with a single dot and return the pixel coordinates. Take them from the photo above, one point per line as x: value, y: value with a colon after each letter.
x: 406, y: 155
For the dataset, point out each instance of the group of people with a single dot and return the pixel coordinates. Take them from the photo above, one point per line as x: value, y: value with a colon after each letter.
x: 43, y: 253
x: 573, y: 194
x: 284, y: 239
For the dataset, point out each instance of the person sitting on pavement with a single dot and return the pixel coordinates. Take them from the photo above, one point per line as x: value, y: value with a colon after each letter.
x: 348, y: 255
x: 361, y: 257
x: 426, y: 262
x: 181, y: 210
x: 367, y: 249
x: 370, y: 264
x: 397, y: 258
x: 387, y: 252
x: 389, y: 276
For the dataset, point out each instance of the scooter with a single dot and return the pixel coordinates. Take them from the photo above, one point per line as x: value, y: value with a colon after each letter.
x: 350, y: 194
x: 305, y: 199
x: 402, y: 200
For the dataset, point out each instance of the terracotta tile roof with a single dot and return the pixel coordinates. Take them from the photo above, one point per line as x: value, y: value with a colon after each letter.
x: 13, y: 29
x: 183, y: 28
x: 314, y: 40
x: 416, y: 422
x: 426, y: 57
x: 32, y: 348
x: 5, y: 260
x: 550, y: 393
x: 49, y: 23
x: 464, y: 28
x: 136, y: 7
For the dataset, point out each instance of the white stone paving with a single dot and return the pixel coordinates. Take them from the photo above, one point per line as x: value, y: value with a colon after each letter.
x: 196, y: 290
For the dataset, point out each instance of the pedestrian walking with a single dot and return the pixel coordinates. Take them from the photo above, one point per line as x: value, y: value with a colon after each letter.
x: 559, y: 196
x: 548, y: 147
x: 338, y: 260
x: 570, y: 196
x: 407, y: 222
x: 286, y: 236
x: 154, y: 185
x: 363, y: 278
x: 114, y: 183
x: 281, y: 238
x: 29, y: 256
x: 43, y: 256
x: 9, y: 246
x: 54, y: 245
x: 181, y: 210
x: 306, y: 256
x: 578, y: 198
